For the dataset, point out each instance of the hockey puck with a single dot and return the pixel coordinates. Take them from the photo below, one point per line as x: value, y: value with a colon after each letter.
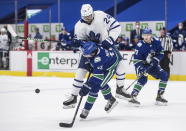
x: 37, y: 90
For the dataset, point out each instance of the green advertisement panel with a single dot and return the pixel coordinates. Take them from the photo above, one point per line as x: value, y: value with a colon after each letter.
x: 43, y: 60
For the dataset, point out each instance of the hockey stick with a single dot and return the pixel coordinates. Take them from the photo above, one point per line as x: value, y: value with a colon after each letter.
x: 39, y: 40
x: 13, y: 33
x: 134, y: 81
x: 139, y: 77
x: 69, y: 125
x: 131, y: 59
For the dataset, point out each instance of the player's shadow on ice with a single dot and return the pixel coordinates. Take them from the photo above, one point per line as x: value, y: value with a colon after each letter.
x: 101, y: 120
x: 114, y: 119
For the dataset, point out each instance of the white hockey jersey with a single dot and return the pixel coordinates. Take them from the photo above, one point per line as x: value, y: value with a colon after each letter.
x: 103, y: 26
x: 4, y: 42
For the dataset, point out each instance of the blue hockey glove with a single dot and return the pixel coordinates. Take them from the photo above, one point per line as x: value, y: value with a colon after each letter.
x: 76, y: 43
x: 84, y: 90
x: 107, y: 43
x: 142, y: 70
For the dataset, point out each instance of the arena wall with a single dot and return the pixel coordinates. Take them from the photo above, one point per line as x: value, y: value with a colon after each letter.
x: 65, y: 63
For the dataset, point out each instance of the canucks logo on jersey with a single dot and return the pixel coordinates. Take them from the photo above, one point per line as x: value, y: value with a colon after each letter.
x: 97, y: 59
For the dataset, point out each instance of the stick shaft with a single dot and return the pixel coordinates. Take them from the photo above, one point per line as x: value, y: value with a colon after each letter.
x: 139, y: 77
x: 79, y: 102
x: 77, y: 109
x: 39, y: 40
x: 14, y: 34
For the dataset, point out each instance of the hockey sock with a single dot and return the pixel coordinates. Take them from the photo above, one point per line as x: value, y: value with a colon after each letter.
x: 77, y: 84
x: 78, y: 81
x: 106, y: 91
x: 120, y: 78
x: 136, y: 90
x: 162, y: 86
x: 90, y: 100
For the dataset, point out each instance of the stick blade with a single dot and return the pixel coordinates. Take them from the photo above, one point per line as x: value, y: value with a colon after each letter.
x: 11, y: 30
x: 67, y: 125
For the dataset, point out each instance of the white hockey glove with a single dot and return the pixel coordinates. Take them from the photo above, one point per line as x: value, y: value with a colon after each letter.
x: 150, y: 57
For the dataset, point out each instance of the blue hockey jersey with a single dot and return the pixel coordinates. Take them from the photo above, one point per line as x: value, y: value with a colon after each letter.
x: 104, y: 60
x: 143, y: 50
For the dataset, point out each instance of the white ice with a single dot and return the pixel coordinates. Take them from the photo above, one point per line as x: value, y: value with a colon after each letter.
x: 21, y: 109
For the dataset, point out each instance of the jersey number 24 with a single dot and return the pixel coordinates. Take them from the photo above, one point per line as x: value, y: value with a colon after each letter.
x: 107, y: 19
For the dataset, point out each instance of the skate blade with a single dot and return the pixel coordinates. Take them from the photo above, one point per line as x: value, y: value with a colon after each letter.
x: 82, y: 119
x: 69, y: 106
x: 122, y: 97
x: 158, y: 103
x: 134, y: 104
x: 114, y: 105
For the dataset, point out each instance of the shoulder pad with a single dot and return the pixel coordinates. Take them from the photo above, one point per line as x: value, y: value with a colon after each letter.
x: 156, y: 38
x: 98, y: 11
x: 77, y: 23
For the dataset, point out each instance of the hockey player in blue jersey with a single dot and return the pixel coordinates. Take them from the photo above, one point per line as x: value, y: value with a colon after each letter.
x: 148, y: 54
x: 103, y: 63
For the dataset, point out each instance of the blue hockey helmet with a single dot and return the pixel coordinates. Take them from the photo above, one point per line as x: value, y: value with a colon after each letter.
x: 89, y: 48
x: 147, y: 31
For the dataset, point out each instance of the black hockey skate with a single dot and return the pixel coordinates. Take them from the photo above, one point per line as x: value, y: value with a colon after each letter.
x: 160, y: 100
x: 121, y: 93
x: 84, y: 114
x: 133, y: 101
x: 70, y: 103
x: 112, y: 102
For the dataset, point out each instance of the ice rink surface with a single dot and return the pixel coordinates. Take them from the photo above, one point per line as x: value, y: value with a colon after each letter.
x: 21, y: 109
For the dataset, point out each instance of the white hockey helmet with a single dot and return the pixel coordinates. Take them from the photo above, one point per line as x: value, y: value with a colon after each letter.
x: 3, y: 30
x: 87, y: 12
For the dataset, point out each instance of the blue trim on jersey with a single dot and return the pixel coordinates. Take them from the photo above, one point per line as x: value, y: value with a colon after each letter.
x: 76, y: 86
x: 120, y: 78
x: 93, y: 94
x: 120, y: 74
x: 114, y: 27
x: 78, y: 81
x: 113, y: 23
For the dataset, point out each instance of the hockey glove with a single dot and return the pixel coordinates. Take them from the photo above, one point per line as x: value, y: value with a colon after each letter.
x: 150, y: 57
x: 155, y: 61
x: 76, y: 43
x: 107, y: 43
x: 142, y: 70
x: 84, y: 90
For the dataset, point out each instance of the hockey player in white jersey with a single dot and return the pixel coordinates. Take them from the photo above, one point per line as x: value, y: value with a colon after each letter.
x: 102, y: 29
x: 4, y: 47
